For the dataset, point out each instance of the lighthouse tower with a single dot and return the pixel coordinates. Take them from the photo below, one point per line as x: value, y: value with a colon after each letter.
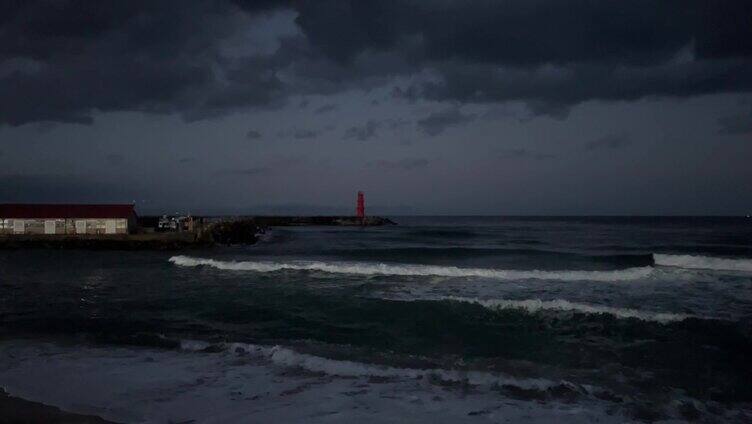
x: 360, y: 210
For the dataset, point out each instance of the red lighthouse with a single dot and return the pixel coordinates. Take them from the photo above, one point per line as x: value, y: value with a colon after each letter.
x: 360, y: 210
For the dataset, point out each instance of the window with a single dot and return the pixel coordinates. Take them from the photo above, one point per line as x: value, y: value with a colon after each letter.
x: 110, y: 227
x: 49, y: 226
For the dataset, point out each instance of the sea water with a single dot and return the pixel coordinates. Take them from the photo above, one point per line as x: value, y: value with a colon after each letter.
x: 437, y: 319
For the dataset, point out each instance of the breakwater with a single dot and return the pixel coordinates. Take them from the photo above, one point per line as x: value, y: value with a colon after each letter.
x: 286, y: 221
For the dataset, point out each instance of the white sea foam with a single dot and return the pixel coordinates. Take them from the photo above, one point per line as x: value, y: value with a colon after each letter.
x: 124, y: 384
x: 289, y: 358
x: 360, y: 268
x: 194, y: 345
x: 536, y: 305
x: 703, y: 262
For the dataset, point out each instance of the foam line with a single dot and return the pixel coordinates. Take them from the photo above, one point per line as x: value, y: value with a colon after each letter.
x: 360, y: 268
x: 285, y: 357
x: 535, y: 305
x: 703, y: 262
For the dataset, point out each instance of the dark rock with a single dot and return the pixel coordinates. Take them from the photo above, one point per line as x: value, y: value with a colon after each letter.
x: 242, y: 231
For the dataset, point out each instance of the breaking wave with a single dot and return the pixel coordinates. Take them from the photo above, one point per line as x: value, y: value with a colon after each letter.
x: 285, y: 357
x: 535, y: 305
x: 359, y: 268
x: 703, y: 262
x: 421, y: 254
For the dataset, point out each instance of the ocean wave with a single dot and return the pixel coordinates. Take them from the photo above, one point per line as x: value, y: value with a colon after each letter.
x: 444, y: 232
x: 416, y: 270
x: 457, y: 252
x: 289, y: 358
x: 703, y: 262
x: 536, y: 305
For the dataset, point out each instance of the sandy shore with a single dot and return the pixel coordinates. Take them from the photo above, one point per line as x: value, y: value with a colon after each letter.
x: 16, y: 410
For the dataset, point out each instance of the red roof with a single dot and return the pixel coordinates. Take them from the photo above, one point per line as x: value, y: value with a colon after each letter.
x: 38, y: 211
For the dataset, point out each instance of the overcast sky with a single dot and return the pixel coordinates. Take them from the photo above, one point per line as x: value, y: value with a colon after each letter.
x: 492, y: 107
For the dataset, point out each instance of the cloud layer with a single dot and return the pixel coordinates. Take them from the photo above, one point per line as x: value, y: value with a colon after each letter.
x: 65, y: 60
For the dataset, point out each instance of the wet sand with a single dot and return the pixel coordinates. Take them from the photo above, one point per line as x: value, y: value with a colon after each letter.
x: 15, y: 410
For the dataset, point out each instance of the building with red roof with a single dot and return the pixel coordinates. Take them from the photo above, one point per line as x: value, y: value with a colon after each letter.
x: 30, y: 218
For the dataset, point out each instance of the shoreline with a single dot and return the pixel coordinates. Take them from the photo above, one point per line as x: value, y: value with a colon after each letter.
x: 253, y: 383
x: 19, y: 410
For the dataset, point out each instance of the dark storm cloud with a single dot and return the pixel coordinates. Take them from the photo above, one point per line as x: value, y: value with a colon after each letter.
x: 326, y: 108
x: 115, y: 159
x: 524, y: 154
x: 63, y: 60
x: 407, y: 164
x: 303, y: 134
x: 363, y: 132
x: 262, y: 5
x: 253, y: 135
x: 551, y: 90
x: 437, y: 122
x: 410, y: 93
x: 608, y: 142
x: 64, y: 188
x: 735, y: 124
x: 370, y: 128
x: 551, y: 54
x: 110, y: 56
x: 244, y: 172
x: 530, y: 32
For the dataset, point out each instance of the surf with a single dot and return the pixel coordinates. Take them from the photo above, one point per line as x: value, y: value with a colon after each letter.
x: 367, y: 268
x: 288, y: 358
x: 533, y: 306
x: 703, y: 262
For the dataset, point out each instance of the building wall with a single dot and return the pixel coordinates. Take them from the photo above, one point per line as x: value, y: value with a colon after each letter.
x: 6, y: 226
x: 65, y: 226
